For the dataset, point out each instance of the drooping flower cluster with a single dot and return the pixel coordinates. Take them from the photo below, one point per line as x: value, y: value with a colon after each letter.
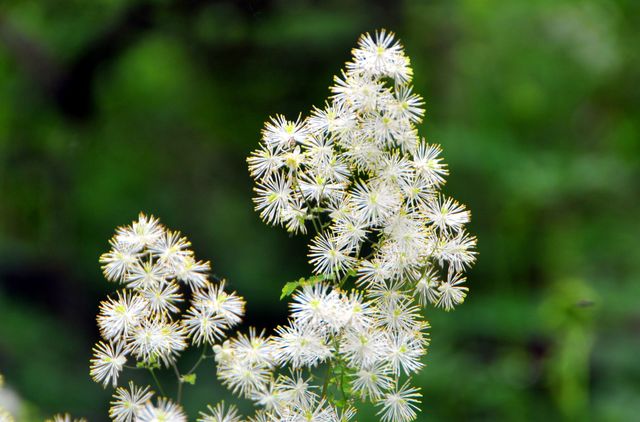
x: 144, y: 319
x: 359, y: 174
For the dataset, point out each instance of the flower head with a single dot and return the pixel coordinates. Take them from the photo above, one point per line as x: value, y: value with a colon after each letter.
x: 129, y: 402
x: 108, y: 361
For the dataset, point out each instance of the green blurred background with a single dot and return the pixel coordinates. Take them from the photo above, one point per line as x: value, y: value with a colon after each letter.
x: 110, y: 107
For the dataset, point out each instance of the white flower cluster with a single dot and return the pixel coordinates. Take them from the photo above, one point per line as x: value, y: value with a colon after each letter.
x: 386, y: 242
x: 357, y: 172
x: 367, y: 345
x: 134, y: 404
x: 144, y: 319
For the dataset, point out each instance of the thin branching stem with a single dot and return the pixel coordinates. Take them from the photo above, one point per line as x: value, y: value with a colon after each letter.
x: 157, y: 381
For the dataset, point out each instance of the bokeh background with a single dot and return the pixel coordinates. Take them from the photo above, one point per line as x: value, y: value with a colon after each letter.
x: 110, y: 107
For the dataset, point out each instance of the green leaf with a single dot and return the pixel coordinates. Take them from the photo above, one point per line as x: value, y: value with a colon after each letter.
x: 189, y: 379
x: 291, y: 286
x: 151, y: 363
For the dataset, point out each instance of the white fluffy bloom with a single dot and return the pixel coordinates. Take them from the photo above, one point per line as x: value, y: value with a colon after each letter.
x: 372, y: 381
x: 319, y: 307
x: 296, y: 389
x: 350, y: 231
x: 427, y: 287
x: 128, y: 403
x: 447, y: 214
x: 329, y: 256
x: 452, y: 292
x: 157, y: 339
x: 363, y: 349
x: 274, y: 197
x: 144, y: 321
x: 428, y: 165
x: 254, y: 348
x: 142, y: 233
x: 280, y: 131
x: 117, y: 263
x: 358, y: 174
x: 118, y: 318
x: 214, y: 298
x: 65, y: 417
x: 171, y: 249
x: 300, y: 346
x: 204, y: 325
x: 381, y: 55
x: 108, y: 361
x: 162, y: 299
x: 145, y: 274
x: 220, y: 414
x: 264, y: 161
x: 400, y: 405
x: 163, y: 411
x: 375, y: 202
x: 192, y: 272
x: 404, y: 351
x: 242, y: 376
x: 317, y: 411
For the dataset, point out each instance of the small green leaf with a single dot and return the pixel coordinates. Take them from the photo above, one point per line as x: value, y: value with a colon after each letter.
x: 189, y: 379
x: 291, y: 286
x: 288, y: 289
x: 151, y: 363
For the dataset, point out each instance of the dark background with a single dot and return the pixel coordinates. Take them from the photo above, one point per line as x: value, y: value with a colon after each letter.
x: 110, y: 107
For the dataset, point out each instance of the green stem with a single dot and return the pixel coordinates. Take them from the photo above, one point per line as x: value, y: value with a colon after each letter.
x: 313, y: 216
x: 326, y: 381
x: 175, y: 369
x: 343, y: 280
x: 131, y: 367
x: 155, y: 378
x: 202, y: 357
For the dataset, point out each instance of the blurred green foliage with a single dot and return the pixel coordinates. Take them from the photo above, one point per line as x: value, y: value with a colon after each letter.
x: 114, y: 106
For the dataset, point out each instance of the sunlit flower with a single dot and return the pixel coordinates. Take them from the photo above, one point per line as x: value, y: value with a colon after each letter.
x: 108, y: 361
x: 220, y: 414
x: 117, y: 263
x: 141, y: 233
x: 157, y: 339
x: 163, y: 411
x: 128, y: 403
x: 300, y: 346
x: 400, y: 405
x: 213, y: 297
x: 204, y: 325
x: 146, y: 274
x: 452, y: 292
x: 328, y: 256
x: 171, y: 249
x: 162, y: 299
x: 119, y: 317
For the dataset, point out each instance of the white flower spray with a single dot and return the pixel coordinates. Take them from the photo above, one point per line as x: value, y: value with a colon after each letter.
x: 144, y: 320
x: 385, y: 243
